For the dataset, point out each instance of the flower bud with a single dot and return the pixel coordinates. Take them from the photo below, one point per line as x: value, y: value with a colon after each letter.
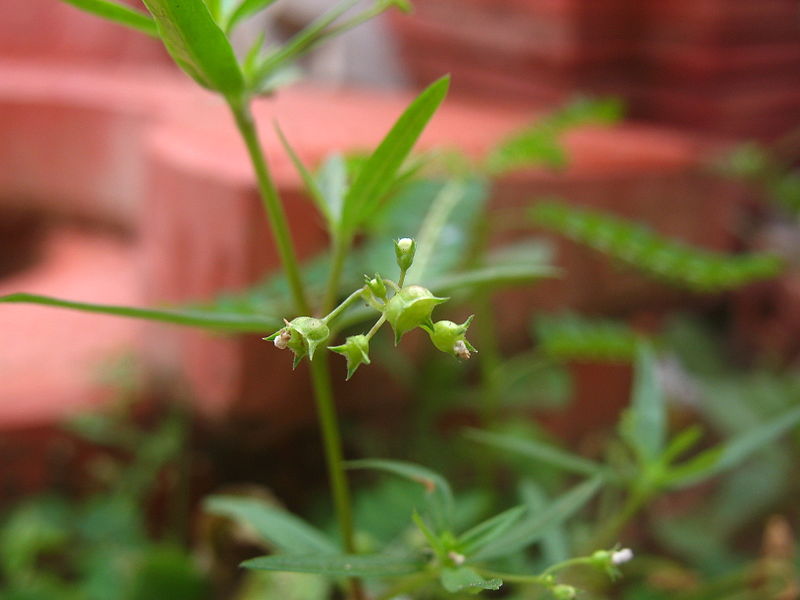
x: 376, y: 285
x: 621, y: 556
x: 450, y: 337
x: 302, y: 336
x: 410, y: 308
x: 355, y: 350
x: 565, y: 592
x: 404, y: 250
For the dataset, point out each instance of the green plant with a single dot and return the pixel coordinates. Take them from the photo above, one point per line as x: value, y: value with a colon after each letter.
x: 645, y: 463
x: 352, y: 201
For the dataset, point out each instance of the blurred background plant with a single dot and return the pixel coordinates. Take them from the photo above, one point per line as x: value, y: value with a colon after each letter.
x: 550, y: 454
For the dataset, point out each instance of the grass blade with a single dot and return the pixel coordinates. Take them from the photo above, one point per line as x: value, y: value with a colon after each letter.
x: 277, y: 527
x: 118, y: 14
x: 335, y: 565
x: 208, y: 319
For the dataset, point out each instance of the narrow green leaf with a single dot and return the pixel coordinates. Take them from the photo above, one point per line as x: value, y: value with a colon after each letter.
x: 681, y: 443
x: 644, y: 425
x: 119, y: 14
x: 439, y: 494
x: 733, y: 452
x: 310, y: 183
x: 532, y: 529
x: 492, y: 277
x: 457, y: 579
x: 483, y: 533
x: 245, y: 9
x: 377, y: 174
x: 336, y: 565
x: 278, y: 528
x: 332, y: 181
x: 209, y: 319
x: 555, y: 542
x: 538, y: 451
x: 572, y: 336
x: 197, y: 44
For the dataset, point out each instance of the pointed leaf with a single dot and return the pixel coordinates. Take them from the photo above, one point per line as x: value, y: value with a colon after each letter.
x: 197, y: 44
x: 538, y: 451
x: 310, y: 183
x: 732, y: 452
x: 457, y: 579
x: 378, y: 173
x: 118, y: 13
x: 332, y: 181
x: 555, y: 542
x: 439, y: 494
x: 277, y: 527
x: 210, y: 319
x: 536, y: 526
x: 336, y: 565
x: 245, y: 9
x: 480, y: 535
x: 644, y: 425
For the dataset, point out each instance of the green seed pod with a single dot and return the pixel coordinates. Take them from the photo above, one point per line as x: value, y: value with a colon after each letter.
x: 355, y: 350
x: 410, y: 308
x: 404, y: 251
x: 450, y: 337
x: 376, y: 285
x: 565, y: 592
x: 302, y: 336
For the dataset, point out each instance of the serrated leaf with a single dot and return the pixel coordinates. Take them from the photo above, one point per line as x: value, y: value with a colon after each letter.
x: 731, y: 453
x: 570, y: 336
x: 533, y: 528
x: 439, y: 494
x: 644, y: 424
x: 338, y: 565
x: 458, y: 579
x: 376, y: 176
x: 483, y: 533
x: 538, y: 451
x: 675, y: 262
x: 197, y: 44
x: 118, y: 13
x: 278, y: 528
x: 205, y: 318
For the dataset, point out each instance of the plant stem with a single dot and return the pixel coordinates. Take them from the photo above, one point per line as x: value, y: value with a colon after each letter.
x: 633, y: 504
x: 329, y: 423
x: 269, y: 195
x: 340, y: 246
x: 344, y: 304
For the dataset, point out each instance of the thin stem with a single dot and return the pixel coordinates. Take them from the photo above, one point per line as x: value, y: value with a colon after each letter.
x: 278, y: 223
x: 344, y: 304
x: 408, y: 585
x: 376, y: 327
x: 633, y: 504
x: 340, y: 246
x: 329, y: 423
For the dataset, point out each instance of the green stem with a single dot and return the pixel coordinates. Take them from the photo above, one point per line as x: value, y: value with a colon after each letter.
x: 329, y: 423
x: 345, y: 303
x: 408, y: 585
x: 376, y: 327
x: 633, y: 504
x: 340, y: 246
x: 278, y: 223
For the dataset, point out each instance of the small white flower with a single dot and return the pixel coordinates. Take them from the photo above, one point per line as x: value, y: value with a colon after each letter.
x: 461, y: 350
x: 404, y: 244
x: 621, y: 556
x: 281, y: 341
x: 458, y: 559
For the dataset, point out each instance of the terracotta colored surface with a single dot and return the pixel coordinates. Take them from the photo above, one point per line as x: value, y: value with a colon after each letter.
x: 52, y: 359
x: 146, y: 150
